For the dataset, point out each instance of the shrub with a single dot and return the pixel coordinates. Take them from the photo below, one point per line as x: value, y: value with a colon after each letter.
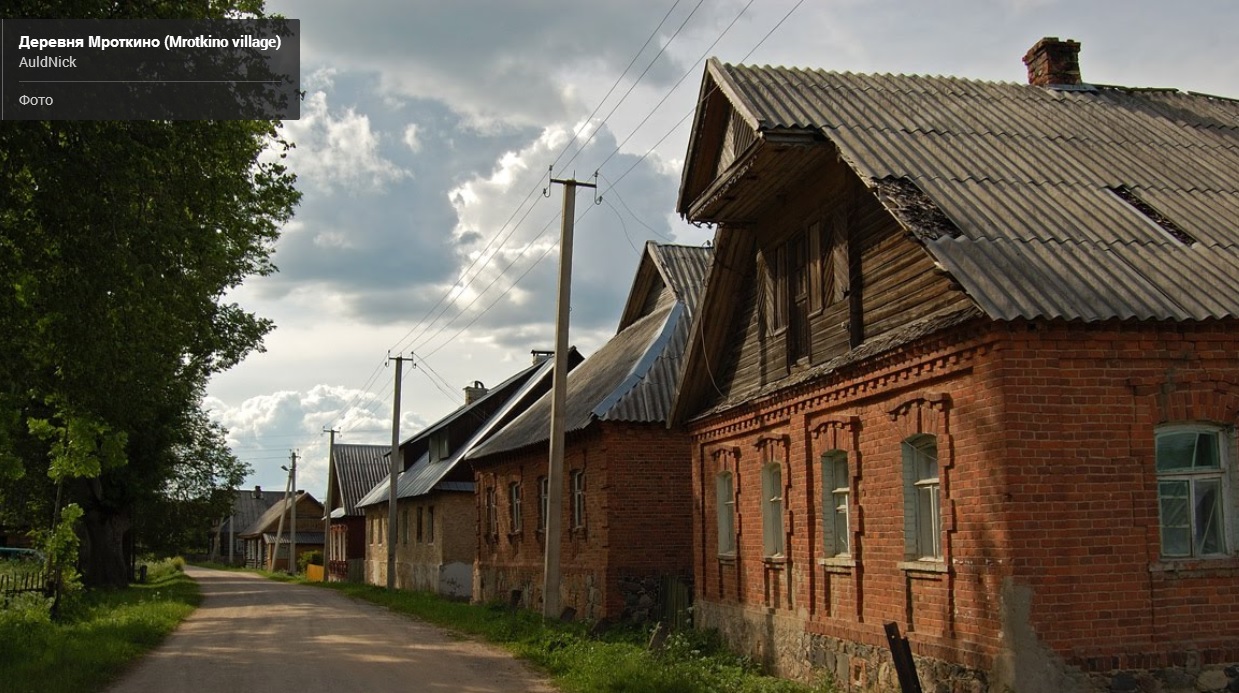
x: 314, y: 557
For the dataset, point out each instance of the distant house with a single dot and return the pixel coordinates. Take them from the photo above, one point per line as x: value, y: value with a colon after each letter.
x: 355, y: 469
x: 967, y: 363
x: 436, y: 539
x: 247, y: 505
x: 266, y: 534
x: 626, y: 511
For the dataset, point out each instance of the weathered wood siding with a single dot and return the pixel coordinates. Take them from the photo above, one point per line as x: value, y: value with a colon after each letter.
x: 889, y: 281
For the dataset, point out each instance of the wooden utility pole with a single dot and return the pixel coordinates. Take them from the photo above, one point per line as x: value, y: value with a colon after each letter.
x: 331, y: 468
x: 391, y: 484
x: 559, y: 389
x: 292, y: 533
x: 279, y: 532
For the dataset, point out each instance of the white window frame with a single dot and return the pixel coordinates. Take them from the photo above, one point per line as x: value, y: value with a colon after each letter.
x: 922, y: 499
x: 1195, y: 478
x: 578, y: 498
x: 772, y: 503
x: 725, y: 496
x: 514, y: 507
x: 836, y: 504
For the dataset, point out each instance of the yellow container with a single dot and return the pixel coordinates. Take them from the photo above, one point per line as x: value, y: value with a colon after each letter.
x: 314, y: 573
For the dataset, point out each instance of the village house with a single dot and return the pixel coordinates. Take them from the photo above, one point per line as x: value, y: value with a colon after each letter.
x: 227, y: 546
x: 625, y: 544
x: 274, y: 528
x: 436, y: 538
x: 966, y: 363
x: 355, y: 469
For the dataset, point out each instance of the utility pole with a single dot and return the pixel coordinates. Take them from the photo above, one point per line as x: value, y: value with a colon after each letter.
x: 292, y: 552
x: 331, y: 468
x: 395, y: 472
x: 559, y: 390
x: 279, y: 532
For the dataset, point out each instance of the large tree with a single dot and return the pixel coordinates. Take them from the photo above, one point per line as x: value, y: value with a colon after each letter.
x: 119, y: 241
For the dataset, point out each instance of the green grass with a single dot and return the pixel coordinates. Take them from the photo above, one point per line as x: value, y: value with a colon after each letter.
x: 100, y: 633
x: 615, y: 662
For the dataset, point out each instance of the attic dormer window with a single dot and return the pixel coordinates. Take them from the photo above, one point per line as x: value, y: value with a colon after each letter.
x: 1129, y: 196
x: 440, y: 449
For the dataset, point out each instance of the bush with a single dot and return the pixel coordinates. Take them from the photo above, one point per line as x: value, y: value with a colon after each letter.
x: 314, y: 557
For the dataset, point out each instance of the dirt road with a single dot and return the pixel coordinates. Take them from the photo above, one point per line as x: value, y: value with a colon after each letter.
x: 252, y: 634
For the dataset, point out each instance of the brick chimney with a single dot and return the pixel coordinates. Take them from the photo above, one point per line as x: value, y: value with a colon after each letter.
x: 258, y: 492
x: 474, y: 392
x: 1053, y: 63
x: 540, y: 355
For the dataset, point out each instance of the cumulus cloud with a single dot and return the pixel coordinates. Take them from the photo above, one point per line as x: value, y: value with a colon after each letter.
x: 337, y: 148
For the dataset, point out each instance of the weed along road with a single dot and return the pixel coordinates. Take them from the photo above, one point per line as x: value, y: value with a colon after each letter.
x: 251, y: 634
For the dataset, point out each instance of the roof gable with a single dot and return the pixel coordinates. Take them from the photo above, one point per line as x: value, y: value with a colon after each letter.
x: 355, y: 470
x: 1040, y: 202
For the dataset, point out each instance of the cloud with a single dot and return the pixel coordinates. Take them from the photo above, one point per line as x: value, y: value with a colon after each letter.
x: 338, y: 149
x: 410, y: 138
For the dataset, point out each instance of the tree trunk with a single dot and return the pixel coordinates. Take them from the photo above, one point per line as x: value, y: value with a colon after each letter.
x: 103, y: 548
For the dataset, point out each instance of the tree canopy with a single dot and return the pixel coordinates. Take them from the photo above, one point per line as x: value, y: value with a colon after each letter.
x: 119, y: 241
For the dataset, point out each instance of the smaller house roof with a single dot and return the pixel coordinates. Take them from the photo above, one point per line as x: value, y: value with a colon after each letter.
x: 269, y: 520
x: 633, y: 377
x: 356, y: 469
x: 247, y: 506
x: 505, y: 401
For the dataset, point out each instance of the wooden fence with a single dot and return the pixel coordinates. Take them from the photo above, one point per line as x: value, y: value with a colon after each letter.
x: 12, y: 584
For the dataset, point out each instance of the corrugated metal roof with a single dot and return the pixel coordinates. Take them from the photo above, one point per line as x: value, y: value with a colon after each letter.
x: 357, y: 469
x: 424, y: 476
x: 634, y: 376
x: 270, y: 518
x: 247, y: 506
x: 1026, y: 173
x: 306, y: 538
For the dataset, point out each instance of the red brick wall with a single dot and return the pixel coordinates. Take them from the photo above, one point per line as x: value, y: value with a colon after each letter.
x: 1048, y: 496
x: 637, y: 518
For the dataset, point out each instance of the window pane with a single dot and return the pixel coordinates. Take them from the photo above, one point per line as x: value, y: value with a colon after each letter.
x: 927, y: 522
x: 1208, y: 516
x: 1206, y: 451
x: 1176, y: 528
x: 842, y: 540
x: 1176, y: 450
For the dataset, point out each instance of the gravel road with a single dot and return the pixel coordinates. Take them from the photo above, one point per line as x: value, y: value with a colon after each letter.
x: 253, y: 634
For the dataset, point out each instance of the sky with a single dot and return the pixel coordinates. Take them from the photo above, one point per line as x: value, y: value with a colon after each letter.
x: 423, y: 148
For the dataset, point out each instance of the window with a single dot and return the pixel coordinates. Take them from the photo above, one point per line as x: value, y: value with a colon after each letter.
x: 772, y: 507
x: 514, y: 506
x: 430, y: 525
x: 421, y: 528
x: 922, y: 518
x: 1191, y: 486
x: 578, y: 498
x: 404, y: 526
x: 492, y: 520
x: 726, y: 505
x: 836, y: 485
x: 439, y: 447
x: 544, y: 502
x: 798, y: 292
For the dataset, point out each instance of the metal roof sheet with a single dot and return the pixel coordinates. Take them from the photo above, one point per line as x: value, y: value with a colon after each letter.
x: 1026, y: 173
x: 424, y: 476
x: 357, y: 469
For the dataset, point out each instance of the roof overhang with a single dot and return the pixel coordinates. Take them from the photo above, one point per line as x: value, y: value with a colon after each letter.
x: 775, y: 162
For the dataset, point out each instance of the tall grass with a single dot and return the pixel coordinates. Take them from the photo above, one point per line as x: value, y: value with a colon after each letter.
x: 98, y: 634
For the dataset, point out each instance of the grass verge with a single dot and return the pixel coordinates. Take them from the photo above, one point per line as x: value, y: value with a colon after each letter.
x: 616, y: 661
x: 99, y: 634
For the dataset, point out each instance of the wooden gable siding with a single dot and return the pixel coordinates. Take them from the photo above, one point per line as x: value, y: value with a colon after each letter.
x: 889, y: 281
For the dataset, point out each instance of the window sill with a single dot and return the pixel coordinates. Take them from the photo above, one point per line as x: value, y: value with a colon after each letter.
x: 775, y: 561
x: 727, y: 558
x: 1195, y: 566
x: 837, y: 564
x: 924, y: 566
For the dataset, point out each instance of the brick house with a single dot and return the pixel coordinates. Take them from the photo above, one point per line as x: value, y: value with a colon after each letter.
x: 966, y: 362
x: 436, y: 538
x: 626, y: 498
x: 355, y: 469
